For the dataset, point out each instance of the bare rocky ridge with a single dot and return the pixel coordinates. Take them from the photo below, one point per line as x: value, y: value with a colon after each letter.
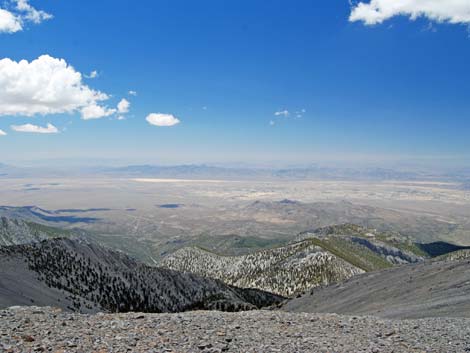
x: 82, y: 276
x: 45, y: 329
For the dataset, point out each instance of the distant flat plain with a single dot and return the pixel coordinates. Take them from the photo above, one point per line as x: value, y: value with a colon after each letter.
x: 146, y: 192
x: 134, y: 212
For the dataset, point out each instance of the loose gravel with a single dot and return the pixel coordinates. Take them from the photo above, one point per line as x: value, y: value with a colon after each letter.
x: 34, y: 329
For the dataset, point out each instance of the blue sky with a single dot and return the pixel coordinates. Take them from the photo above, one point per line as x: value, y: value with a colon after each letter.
x: 396, y: 89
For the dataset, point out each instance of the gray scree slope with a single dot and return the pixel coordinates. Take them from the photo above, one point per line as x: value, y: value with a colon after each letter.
x: 429, y: 289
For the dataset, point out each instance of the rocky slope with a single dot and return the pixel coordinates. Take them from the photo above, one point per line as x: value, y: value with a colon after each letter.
x: 82, y: 276
x: 429, y: 289
x: 327, y: 255
x: 46, y: 329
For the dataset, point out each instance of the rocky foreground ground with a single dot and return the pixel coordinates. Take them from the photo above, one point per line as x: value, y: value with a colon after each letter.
x: 36, y: 329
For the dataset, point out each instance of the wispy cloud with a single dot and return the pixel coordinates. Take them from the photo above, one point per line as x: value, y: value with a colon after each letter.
x: 2, y: 133
x: 282, y: 113
x: 286, y: 113
x: 30, y: 13
x: 93, y: 74
x: 377, y: 11
x: 49, y: 129
x: 13, y: 18
x: 159, y: 119
x: 132, y: 93
x: 300, y: 113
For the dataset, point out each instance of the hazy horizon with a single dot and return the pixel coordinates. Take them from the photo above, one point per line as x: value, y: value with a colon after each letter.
x: 431, y: 165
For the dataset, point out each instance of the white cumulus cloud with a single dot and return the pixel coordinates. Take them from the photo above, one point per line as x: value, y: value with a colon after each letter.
x: 95, y: 111
x: 2, y: 133
x: 378, y: 11
x: 47, y: 85
x: 13, y: 18
x: 159, y: 119
x: 123, y: 106
x: 49, y: 129
x: 9, y: 23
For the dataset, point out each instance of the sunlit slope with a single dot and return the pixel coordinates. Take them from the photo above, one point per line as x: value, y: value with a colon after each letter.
x: 319, y: 258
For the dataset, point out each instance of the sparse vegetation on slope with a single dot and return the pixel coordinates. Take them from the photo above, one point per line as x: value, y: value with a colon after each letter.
x: 88, y: 273
x: 354, y: 254
x: 378, y: 250
x: 14, y: 232
x: 458, y: 255
x: 286, y: 270
x: 327, y: 255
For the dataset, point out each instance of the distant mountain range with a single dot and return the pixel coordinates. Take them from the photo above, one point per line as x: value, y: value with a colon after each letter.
x: 314, y: 172
x: 202, y: 171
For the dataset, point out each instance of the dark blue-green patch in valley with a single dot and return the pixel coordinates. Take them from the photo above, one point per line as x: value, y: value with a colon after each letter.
x: 79, y: 210
x: 170, y: 205
x: 50, y: 216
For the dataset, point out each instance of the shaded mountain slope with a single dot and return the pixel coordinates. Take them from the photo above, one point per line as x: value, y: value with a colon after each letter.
x: 439, y: 248
x: 428, y: 289
x: 82, y: 276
